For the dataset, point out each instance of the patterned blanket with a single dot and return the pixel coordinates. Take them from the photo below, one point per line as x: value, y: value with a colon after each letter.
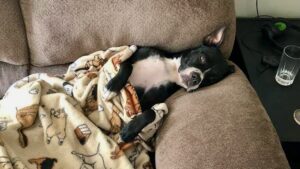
x: 71, y: 121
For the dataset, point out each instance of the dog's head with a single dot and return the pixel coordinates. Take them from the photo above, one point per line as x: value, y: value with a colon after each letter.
x: 204, y: 65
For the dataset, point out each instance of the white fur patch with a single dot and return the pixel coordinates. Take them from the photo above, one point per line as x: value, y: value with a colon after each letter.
x: 145, y: 72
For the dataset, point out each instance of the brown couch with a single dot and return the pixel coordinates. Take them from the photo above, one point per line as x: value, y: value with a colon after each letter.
x: 220, y: 126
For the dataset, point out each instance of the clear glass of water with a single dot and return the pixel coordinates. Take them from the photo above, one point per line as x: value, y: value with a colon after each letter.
x: 289, y: 65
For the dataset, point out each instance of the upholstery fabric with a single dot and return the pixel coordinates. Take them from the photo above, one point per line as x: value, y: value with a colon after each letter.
x: 220, y: 126
x: 61, y: 31
x: 10, y: 74
x: 50, y: 70
x: 13, y: 43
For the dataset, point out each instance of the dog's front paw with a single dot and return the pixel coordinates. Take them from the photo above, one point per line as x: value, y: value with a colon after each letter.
x: 111, y: 84
x: 161, y: 107
x: 108, y: 94
x: 111, y: 89
x: 128, y: 133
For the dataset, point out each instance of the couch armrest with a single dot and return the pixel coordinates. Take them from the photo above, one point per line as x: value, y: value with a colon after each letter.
x: 220, y: 126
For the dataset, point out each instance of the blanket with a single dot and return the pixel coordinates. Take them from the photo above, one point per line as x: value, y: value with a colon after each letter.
x: 71, y: 121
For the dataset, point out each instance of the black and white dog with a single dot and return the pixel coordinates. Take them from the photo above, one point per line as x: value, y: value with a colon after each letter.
x: 157, y: 74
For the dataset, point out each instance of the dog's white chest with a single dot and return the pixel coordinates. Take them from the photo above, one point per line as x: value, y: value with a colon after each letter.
x: 152, y: 72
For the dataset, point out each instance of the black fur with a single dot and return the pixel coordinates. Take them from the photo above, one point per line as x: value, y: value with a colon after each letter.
x: 48, y: 163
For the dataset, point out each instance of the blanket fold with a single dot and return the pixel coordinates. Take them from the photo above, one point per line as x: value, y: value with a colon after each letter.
x: 72, y: 121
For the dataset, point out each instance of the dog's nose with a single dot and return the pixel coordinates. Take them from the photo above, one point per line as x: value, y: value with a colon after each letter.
x: 195, y: 78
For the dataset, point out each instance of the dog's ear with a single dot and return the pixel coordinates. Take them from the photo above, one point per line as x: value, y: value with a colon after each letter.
x: 215, y: 38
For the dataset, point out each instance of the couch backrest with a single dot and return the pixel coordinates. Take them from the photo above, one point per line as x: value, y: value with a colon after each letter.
x: 13, y: 43
x: 61, y: 31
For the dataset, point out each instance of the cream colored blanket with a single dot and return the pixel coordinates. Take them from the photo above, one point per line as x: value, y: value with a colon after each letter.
x: 72, y: 121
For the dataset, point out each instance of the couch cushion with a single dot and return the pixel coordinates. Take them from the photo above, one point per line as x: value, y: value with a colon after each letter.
x: 220, y: 126
x: 61, y: 31
x: 13, y: 43
x: 50, y: 70
x: 10, y: 74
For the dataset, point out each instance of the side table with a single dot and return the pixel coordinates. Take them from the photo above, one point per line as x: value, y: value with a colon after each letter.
x: 280, y: 102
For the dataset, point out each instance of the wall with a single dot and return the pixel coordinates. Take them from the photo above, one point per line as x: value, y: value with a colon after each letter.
x: 277, y: 8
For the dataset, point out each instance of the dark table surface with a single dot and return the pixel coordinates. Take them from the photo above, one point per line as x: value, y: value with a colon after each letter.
x: 279, y: 101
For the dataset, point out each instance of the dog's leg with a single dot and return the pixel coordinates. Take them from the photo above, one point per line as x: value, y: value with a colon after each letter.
x: 152, y: 97
x: 157, y: 95
x: 132, y: 129
x: 119, y: 81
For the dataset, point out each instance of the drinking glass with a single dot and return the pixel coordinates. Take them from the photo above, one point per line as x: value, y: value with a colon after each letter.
x: 297, y: 116
x: 289, y: 65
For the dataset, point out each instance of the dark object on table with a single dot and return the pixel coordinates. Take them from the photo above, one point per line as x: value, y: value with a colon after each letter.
x: 276, y: 29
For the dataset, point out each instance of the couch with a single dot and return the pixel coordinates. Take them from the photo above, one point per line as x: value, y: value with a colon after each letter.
x: 220, y: 126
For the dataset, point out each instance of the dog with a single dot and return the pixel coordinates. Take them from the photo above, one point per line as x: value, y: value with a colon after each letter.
x: 156, y: 74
